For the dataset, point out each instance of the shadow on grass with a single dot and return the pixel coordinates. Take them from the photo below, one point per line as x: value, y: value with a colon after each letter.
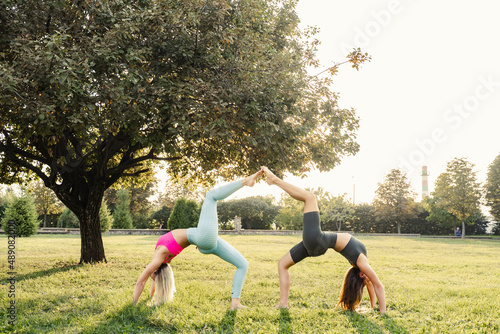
x: 48, y: 313
x: 226, y: 325
x: 363, y: 325
x: 43, y: 273
x: 56, y: 315
x: 132, y: 319
x: 285, y: 321
x: 392, y: 326
x: 140, y: 319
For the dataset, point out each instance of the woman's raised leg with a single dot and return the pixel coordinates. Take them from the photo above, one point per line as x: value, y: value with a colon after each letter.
x: 299, y: 194
x: 205, y: 234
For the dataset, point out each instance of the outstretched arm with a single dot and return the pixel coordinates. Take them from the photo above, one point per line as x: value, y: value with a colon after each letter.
x: 152, y: 292
x: 284, y: 263
x: 365, y: 267
x: 158, y: 259
x: 371, y: 293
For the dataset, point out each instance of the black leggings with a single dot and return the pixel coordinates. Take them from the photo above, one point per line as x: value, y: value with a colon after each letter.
x: 316, y: 242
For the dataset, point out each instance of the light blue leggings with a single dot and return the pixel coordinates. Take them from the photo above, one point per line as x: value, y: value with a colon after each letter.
x: 205, y: 236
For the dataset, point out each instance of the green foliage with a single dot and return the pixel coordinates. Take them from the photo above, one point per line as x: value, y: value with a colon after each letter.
x: 46, y: 201
x: 23, y: 212
x: 6, y: 197
x: 458, y: 191
x: 256, y: 212
x: 49, y: 220
x: 161, y: 216
x: 290, y: 213
x: 394, y: 200
x: 493, y: 188
x: 68, y: 219
x: 222, y: 77
x: 56, y: 295
x: 438, y: 214
x: 140, y: 206
x: 421, y: 225
x: 105, y: 217
x: 3, y: 207
x: 226, y: 214
x: 477, y: 224
x: 141, y: 220
x: 496, y: 228
x: 185, y: 214
x: 177, y: 188
x: 364, y: 219
x: 337, y: 213
x: 121, y: 217
x: 110, y: 198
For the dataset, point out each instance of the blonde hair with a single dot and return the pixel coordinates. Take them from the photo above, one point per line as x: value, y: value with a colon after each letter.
x: 164, y: 284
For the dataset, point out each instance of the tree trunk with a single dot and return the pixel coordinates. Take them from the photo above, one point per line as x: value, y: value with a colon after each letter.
x: 92, y: 248
x: 399, y: 228
x: 463, y: 229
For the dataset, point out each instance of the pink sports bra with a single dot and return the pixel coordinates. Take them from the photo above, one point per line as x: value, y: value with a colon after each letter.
x: 173, y: 247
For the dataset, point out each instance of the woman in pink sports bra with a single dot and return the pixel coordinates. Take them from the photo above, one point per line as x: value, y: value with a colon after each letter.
x: 205, y: 237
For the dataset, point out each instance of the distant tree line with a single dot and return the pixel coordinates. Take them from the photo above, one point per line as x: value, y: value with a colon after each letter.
x: 454, y: 203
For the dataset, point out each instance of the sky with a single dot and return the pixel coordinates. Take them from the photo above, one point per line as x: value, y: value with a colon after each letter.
x: 431, y: 92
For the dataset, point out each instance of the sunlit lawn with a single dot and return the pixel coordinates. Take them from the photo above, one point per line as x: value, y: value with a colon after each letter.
x: 432, y: 286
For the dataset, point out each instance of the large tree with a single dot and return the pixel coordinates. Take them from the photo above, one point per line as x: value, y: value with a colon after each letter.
x: 458, y: 191
x: 92, y: 90
x: 395, y: 199
x: 493, y: 188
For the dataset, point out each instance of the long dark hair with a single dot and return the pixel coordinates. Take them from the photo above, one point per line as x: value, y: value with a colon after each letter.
x: 352, y: 289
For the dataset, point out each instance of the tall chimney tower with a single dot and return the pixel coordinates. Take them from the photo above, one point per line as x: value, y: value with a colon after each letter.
x: 425, y: 182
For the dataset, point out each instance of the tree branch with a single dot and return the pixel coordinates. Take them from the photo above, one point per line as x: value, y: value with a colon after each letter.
x: 12, y: 157
x: 329, y: 68
x: 10, y: 147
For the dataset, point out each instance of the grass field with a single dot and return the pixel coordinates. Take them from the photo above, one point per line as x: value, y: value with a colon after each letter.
x: 432, y: 286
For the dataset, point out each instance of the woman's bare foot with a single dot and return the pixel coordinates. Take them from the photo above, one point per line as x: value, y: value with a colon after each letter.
x: 249, y: 181
x: 236, y: 305
x: 281, y: 306
x: 271, y: 178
